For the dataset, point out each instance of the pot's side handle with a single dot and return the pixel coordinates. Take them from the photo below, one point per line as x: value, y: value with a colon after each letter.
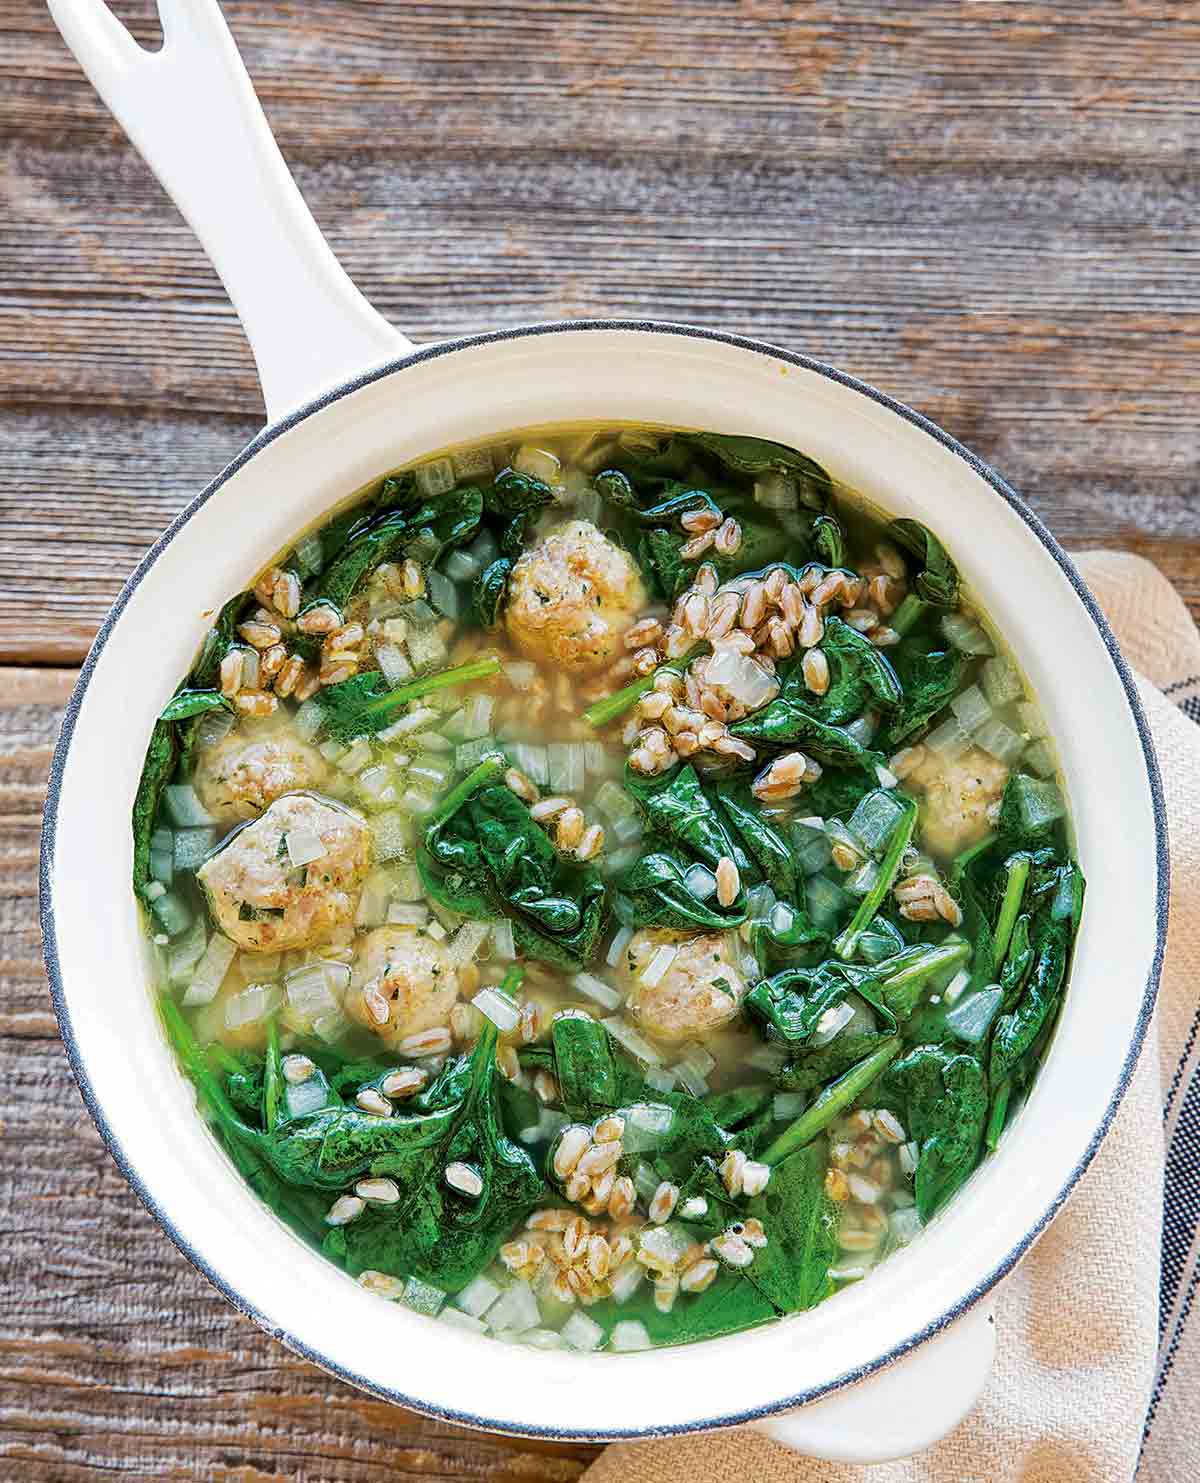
x: 907, y: 1407
x: 191, y: 111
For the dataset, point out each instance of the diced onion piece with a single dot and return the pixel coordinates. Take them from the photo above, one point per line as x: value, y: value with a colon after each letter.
x: 520, y: 673
x: 613, y: 801
x: 645, y: 1180
x: 515, y: 1311
x: 251, y: 1006
x: 183, y: 806
x: 966, y: 635
x: 532, y: 760
x: 621, y: 940
x: 443, y: 593
x: 1038, y: 757
x: 589, y: 505
x: 478, y: 1296
x: 396, y: 668
x: 595, y: 988
x: 628, y: 1336
x: 470, y: 754
x: 186, y: 951
x: 430, y: 774
x: 356, y: 758
x: 309, y: 554
x: 862, y: 881
x: 304, y: 846
x: 250, y: 667
x: 466, y: 942
x: 887, y: 778
x: 212, y: 727
x: 1000, y: 680
x: 873, y: 820
x: 308, y: 719
x: 305, y: 1097
x: 415, y: 721
x: 331, y: 750
x: 538, y: 463
x: 408, y: 914
x: 172, y: 913
x: 191, y: 846
x: 435, y: 477
x: 904, y: 1226
x: 646, y: 1125
x: 811, y: 845
x: 472, y: 463
x: 972, y: 1018
x: 503, y: 944
x: 1031, y: 719
x: 971, y: 708
x: 660, y: 1079
x: 948, y: 740
x: 461, y: 566
x: 498, y: 1008
x: 373, y: 903
x: 862, y: 1017
x: 626, y: 1281
x: 618, y: 861
x: 426, y: 648
x: 376, y: 786
x: 1001, y: 741
x: 768, y: 1057
x: 567, y: 766
x: 695, y: 1056
x: 776, y: 492
x: 478, y: 716
x: 393, y: 833
x: 691, y: 1079
x: 788, y: 1105
x: 637, y: 1045
x: 700, y: 881
x: 831, y: 1024
x: 210, y: 971
x: 655, y: 970
x: 582, y: 1333
x: 423, y: 1297
x: 1039, y: 803
x: 331, y: 1027
x: 628, y: 829
x: 458, y: 1320
x: 760, y: 901
x: 747, y: 681
x: 309, y: 995
x: 954, y: 988
x: 414, y: 801
x: 825, y: 900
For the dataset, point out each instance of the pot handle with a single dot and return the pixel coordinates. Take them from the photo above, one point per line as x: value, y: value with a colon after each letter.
x: 191, y: 111
x: 907, y: 1407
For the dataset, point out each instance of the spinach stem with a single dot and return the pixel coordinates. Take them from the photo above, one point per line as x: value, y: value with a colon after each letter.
x: 963, y: 862
x: 908, y: 614
x: 606, y: 710
x: 998, y: 1115
x: 1014, y: 892
x: 272, y: 1077
x: 846, y: 944
x: 196, y: 1063
x: 479, y: 775
x: 474, y: 669
x: 838, y: 1095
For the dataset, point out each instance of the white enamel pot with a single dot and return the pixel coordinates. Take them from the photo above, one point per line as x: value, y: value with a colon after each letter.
x: 885, y: 1367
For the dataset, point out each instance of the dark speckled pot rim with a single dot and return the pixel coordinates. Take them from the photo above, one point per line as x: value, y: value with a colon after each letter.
x: 396, y: 368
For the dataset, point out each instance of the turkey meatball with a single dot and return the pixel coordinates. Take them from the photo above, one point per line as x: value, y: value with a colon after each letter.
x: 957, y: 797
x: 263, y: 902
x: 700, y: 991
x: 571, y: 598
x: 239, y: 777
x: 414, y: 975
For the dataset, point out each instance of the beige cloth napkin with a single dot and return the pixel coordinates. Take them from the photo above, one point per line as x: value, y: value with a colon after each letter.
x: 1096, y: 1376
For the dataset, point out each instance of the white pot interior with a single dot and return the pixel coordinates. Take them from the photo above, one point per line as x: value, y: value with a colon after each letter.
x: 146, y: 1105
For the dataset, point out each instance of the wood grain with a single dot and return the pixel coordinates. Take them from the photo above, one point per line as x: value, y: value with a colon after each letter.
x: 989, y: 209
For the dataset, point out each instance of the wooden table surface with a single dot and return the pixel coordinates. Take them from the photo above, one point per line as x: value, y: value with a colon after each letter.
x: 989, y: 209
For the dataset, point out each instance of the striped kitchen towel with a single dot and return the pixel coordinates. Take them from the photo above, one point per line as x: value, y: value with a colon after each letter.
x: 1098, y: 1364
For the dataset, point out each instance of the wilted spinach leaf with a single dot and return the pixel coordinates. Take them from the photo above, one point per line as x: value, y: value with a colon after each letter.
x: 936, y: 579
x: 945, y: 1107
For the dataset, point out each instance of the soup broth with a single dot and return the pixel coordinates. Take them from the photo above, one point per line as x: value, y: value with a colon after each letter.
x: 611, y: 885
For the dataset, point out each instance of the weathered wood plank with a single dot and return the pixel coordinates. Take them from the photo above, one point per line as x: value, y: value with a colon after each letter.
x: 115, y: 1355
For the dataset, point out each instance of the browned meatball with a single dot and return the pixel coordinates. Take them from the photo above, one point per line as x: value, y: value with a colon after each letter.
x: 700, y: 991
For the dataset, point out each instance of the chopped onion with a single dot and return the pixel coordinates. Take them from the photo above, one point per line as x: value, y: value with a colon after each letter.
x: 1038, y: 757
x: 415, y: 721
x: 186, y: 951
x: 660, y: 1079
x: 309, y: 995
x: 966, y: 635
x: 629, y: 1336
x: 443, y: 593
x: 538, y: 463
x: 654, y: 971
x: 645, y: 1181
x: 589, y: 505
x: 376, y: 786
x: 1031, y: 719
x: 461, y: 566
x: 432, y: 774
x: 628, y: 829
x: 971, y: 708
x: 423, y: 1297
x: 418, y: 613
x: 210, y: 971
x: 863, y: 880
x: 212, y: 727
x: 426, y: 648
x: 567, y: 766
x: 831, y: 1024
x: 1038, y: 803
x: 502, y: 940
x: 478, y: 1296
x: 582, y: 1333
x: 972, y: 1019
x: 691, y: 1079
x: 373, y: 903
x: 760, y: 901
x: 416, y: 803
x: 250, y: 667
x: 626, y: 1281
x: 472, y: 463
x: 862, y: 1017
x: 700, y: 881
x: 767, y: 1058
x: 191, y: 847
x: 407, y: 914
x: 825, y: 900
x: 595, y: 988
x: 515, y: 1311
x: 904, y: 1226
x: 646, y: 1125
x: 396, y: 668
x: 393, y: 833
x: 776, y: 492
x: 520, y: 673
x: 620, y: 860
x: 478, y: 716
x: 331, y: 1027
x: 305, y: 1097
x: 1001, y: 682
x: 532, y: 760
x: 498, y: 1008
x: 1000, y: 741
x: 863, y: 728
x: 788, y: 1105
x: 617, y: 946
x: 466, y: 942
x: 637, y: 1045
x: 309, y: 719
x: 949, y: 740
x: 873, y: 820
x: 954, y: 988
x: 331, y: 750
x: 183, y: 806
x: 470, y: 754
x: 251, y: 1006
x: 747, y: 681
x: 435, y: 477
x: 304, y: 846
x: 458, y: 1320
x: 695, y: 1056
